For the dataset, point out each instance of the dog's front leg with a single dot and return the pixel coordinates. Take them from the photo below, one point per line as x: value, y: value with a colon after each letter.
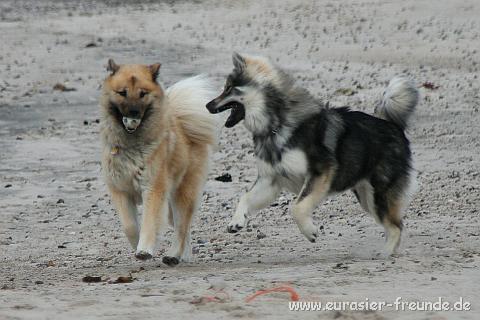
x: 127, y: 210
x: 263, y: 192
x: 154, y: 218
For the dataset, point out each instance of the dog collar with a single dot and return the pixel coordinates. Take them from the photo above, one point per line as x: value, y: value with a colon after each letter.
x: 115, y: 150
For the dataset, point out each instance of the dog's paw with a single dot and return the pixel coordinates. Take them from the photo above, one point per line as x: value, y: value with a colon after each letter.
x: 309, y: 231
x: 234, y: 228
x: 143, y: 255
x: 237, y: 224
x: 312, y: 237
x: 170, y: 261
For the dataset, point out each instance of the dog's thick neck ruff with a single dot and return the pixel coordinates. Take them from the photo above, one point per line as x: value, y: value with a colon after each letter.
x: 272, y: 130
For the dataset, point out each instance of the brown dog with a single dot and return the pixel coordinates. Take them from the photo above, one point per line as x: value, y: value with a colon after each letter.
x: 156, y: 147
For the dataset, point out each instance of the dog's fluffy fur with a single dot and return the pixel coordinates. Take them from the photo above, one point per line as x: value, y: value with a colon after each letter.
x: 156, y: 147
x: 314, y: 151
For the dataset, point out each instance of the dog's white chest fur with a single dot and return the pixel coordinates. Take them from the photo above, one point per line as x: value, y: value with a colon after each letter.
x: 124, y: 169
x: 290, y: 171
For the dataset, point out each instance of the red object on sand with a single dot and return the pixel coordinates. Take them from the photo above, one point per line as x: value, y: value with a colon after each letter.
x: 293, y: 294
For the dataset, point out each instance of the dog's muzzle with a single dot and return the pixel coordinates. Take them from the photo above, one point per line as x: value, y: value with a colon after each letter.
x: 212, y: 107
x: 131, y: 124
x: 236, y: 115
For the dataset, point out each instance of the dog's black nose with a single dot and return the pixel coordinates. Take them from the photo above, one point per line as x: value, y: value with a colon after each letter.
x: 211, y: 106
x: 134, y: 113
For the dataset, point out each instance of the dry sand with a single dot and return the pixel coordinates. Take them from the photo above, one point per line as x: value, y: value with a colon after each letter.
x: 57, y: 224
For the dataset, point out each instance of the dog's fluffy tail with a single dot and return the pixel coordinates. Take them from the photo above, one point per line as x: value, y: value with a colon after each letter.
x: 188, y: 99
x: 398, y: 102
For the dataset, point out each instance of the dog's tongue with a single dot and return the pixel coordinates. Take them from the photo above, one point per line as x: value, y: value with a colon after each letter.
x: 236, y: 115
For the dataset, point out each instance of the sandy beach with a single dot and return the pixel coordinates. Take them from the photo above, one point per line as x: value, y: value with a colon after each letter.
x: 57, y: 224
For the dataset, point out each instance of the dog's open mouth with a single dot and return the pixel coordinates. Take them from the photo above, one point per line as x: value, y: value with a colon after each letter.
x: 236, y: 115
x: 131, y: 124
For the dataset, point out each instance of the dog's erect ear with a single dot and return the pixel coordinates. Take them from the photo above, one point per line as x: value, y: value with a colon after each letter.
x: 154, y: 69
x: 112, y: 66
x: 238, y: 61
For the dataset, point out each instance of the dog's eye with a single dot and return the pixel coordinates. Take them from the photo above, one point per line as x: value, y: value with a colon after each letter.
x: 123, y: 93
x: 143, y: 93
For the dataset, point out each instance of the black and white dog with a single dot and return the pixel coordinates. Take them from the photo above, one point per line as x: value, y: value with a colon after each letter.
x: 314, y: 151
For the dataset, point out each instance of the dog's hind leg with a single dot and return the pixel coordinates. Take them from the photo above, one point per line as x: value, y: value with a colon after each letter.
x: 364, y: 193
x: 314, y: 191
x: 263, y: 192
x: 389, y: 210
x: 127, y: 210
